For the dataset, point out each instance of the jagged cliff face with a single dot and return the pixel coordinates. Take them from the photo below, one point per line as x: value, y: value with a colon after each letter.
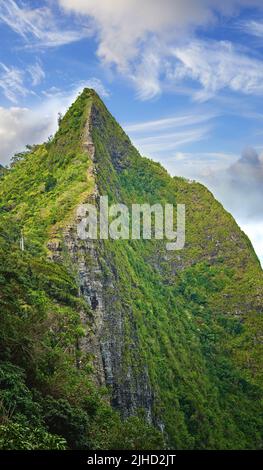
x: 105, y: 340
x: 106, y: 336
x: 177, y: 334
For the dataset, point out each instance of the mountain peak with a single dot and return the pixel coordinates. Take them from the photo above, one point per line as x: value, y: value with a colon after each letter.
x: 88, y: 120
x: 175, y: 334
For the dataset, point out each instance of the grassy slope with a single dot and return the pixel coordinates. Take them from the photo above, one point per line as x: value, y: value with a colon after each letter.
x: 197, y: 312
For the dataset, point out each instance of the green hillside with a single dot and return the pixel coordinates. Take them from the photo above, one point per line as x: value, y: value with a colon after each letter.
x: 2, y: 170
x: 122, y: 344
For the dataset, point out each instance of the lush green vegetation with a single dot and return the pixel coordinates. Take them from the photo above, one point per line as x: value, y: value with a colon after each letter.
x: 47, y: 401
x: 2, y: 170
x: 196, y: 313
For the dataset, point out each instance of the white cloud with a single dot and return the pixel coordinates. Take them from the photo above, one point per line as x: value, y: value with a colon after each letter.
x: 121, y: 25
x: 38, y: 26
x: 97, y: 85
x: 240, y: 186
x: 168, y: 142
x: 37, y: 73
x: 254, y: 230
x: 12, y: 82
x: 16, y: 83
x: 195, y: 165
x: 164, y: 140
x: 218, y: 65
x: 165, y: 135
x: 146, y: 41
x: 146, y: 74
x: 18, y: 127
x: 21, y: 126
x: 167, y: 123
x: 236, y: 181
x: 92, y: 82
x: 253, y: 27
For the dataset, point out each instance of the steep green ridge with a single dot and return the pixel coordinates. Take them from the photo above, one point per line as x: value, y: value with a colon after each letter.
x: 195, y: 310
x: 180, y: 333
x: 47, y: 401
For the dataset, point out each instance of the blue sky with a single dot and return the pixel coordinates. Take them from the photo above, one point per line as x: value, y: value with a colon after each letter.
x: 184, y: 78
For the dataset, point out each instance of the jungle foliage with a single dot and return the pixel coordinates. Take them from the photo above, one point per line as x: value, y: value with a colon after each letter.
x: 198, y: 312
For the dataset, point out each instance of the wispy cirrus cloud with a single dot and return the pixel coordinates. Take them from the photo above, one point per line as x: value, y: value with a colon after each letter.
x: 157, y: 137
x: 12, y: 82
x: 39, y: 27
x: 37, y: 73
x: 167, y: 123
x: 217, y: 65
x: 171, y: 141
x: 17, y: 83
x: 97, y: 85
x: 92, y: 82
x: 253, y: 27
x: 158, y: 47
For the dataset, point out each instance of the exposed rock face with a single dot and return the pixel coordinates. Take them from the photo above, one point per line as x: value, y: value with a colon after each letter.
x: 105, y: 333
x: 85, y: 260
